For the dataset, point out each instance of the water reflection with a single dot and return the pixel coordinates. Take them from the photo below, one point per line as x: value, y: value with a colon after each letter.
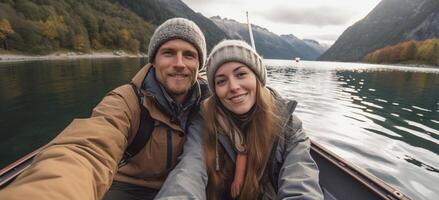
x: 382, y: 119
x: 39, y: 98
x: 408, y: 90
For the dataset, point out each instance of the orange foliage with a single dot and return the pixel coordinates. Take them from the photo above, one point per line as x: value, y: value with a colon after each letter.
x: 5, y: 29
x: 426, y: 51
x: 53, y: 26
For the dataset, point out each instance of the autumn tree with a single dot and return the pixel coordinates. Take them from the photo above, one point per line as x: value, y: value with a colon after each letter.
x: 425, y: 50
x: 52, y: 27
x: 408, y: 50
x: 5, y: 31
x: 434, y: 59
x: 81, y: 43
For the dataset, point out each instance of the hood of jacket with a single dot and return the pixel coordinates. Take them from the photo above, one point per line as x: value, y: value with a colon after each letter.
x: 146, y: 80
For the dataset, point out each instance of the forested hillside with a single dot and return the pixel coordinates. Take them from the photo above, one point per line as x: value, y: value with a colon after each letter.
x: 44, y: 26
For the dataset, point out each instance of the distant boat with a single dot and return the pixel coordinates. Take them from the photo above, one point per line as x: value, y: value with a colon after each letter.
x: 297, y: 59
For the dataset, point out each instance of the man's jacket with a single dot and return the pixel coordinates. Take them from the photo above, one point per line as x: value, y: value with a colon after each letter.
x: 81, y: 162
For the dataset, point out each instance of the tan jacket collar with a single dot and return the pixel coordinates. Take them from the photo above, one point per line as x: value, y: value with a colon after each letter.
x: 138, y: 78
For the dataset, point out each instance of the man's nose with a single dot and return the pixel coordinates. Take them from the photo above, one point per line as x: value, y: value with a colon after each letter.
x: 180, y: 60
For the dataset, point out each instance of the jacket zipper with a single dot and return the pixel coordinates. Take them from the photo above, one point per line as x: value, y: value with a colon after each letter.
x: 169, y: 149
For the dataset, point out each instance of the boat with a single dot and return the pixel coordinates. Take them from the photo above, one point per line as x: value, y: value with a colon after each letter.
x: 8, y: 173
x: 342, y: 180
x: 297, y: 59
x: 339, y: 179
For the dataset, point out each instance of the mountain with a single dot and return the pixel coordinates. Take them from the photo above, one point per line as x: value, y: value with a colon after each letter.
x: 314, y: 49
x: 268, y: 44
x: 390, y: 22
x: 319, y: 47
x: 158, y: 11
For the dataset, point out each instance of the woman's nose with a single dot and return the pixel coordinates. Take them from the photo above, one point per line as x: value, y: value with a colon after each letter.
x: 234, y: 85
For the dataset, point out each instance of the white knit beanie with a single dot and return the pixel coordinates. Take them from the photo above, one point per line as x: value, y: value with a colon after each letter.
x: 234, y: 51
x: 178, y: 28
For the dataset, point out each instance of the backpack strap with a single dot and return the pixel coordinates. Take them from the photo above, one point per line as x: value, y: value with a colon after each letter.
x: 144, y: 132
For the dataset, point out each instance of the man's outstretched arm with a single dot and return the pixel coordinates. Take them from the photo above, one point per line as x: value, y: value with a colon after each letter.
x: 81, y: 161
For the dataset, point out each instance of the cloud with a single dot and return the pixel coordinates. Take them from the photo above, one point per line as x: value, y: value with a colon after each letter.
x: 317, y: 16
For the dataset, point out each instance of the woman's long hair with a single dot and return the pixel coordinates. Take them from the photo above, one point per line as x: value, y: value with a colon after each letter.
x: 259, y: 138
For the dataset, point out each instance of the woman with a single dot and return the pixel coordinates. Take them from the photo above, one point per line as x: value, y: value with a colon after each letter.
x: 272, y: 157
x: 254, y: 147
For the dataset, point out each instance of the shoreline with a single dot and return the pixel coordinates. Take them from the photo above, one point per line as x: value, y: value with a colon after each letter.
x: 68, y: 55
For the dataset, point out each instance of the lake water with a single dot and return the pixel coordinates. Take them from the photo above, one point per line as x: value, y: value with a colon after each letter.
x: 384, y: 119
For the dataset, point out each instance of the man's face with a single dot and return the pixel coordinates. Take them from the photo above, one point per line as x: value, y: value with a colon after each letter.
x: 176, y: 67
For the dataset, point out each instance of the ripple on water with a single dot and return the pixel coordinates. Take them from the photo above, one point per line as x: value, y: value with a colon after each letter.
x: 351, y: 105
x: 373, y: 116
x: 357, y: 98
x: 350, y: 90
x: 353, y: 149
x: 380, y: 130
x: 381, y: 100
x: 420, y: 164
x: 418, y: 134
x: 371, y: 104
x: 407, y: 109
x: 422, y: 127
x: 423, y: 109
x: 394, y: 114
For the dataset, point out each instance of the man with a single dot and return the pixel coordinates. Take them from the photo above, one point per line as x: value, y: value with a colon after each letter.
x: 82, y: 161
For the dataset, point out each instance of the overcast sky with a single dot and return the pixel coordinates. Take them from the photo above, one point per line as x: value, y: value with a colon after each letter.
x: 321, y: 20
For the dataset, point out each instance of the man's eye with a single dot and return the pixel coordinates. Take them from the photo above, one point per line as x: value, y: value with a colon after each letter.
x: 167, y: 53
x: 190, y: 55
x: 220, y: 82
x: 241, y: 74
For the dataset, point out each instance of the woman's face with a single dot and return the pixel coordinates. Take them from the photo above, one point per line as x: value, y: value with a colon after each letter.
x: 235, y: 86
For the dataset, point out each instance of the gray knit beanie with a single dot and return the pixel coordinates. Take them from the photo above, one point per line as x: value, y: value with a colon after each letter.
x: 234, y: 51
x: 178, y: 28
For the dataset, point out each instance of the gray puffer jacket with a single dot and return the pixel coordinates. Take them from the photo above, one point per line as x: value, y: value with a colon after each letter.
x: 291, y: 170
